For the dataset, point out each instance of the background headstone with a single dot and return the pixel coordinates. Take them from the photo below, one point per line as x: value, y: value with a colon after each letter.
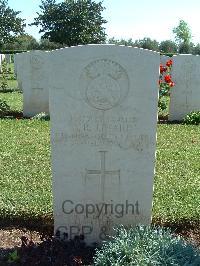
x: 103, y: 105
x: 8, y: 58
x: 164, y: 59
x: 29, y: 68
x: 185, y: 95
x: 2, y: 58
x: 19, y: 68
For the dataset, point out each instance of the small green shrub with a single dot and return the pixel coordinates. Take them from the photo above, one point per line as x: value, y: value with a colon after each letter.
x: 162, y: 104
x: 4, y: 108
x: 192, y: 118
x: 9, y: 71
x: 145, y: 245
x: 4, y: 77
x: 41, y: 116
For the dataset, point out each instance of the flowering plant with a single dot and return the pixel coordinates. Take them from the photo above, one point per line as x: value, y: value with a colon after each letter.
x: 165, y: 79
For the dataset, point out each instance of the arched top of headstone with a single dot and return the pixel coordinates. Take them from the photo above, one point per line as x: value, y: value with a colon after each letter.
x: 104, y: 47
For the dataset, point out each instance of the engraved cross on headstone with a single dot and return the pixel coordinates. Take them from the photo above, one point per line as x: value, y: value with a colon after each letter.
x: 103, y: 172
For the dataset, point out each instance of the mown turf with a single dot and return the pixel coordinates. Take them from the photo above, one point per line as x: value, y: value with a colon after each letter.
x: 12, y: 83
x: 25, y: 174
x: 13, y: 99
x: 25, y: 179
x: 164, y: 113
x: 177, y: 180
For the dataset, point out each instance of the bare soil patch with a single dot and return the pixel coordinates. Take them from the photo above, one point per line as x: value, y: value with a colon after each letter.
x: 41, y: 248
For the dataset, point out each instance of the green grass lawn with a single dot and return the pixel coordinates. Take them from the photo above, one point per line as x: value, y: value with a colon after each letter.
x: 13, y: 99
x: 12, y: 83
x: 164, y: 113
x: 177, y: 180
x: 25, y: 180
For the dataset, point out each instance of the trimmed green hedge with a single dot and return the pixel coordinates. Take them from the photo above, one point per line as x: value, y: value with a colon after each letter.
x: 11, y: 51
x: 168, y: 54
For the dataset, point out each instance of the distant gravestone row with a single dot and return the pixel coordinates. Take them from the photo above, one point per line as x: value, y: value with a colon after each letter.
x: 103, y: 105
x: 2, y: 58
x: 7, y: 58
x: 184, y: 98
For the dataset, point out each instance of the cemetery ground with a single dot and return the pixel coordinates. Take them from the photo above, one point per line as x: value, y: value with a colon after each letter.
x: 25, y: 181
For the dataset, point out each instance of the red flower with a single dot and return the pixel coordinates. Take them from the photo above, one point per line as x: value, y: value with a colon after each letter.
x: 171, y: 84
x: 162, y: 69
x: 169, y: 63
x: 168, y: 79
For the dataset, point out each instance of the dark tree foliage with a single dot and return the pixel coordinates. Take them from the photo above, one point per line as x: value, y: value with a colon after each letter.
x: 45, y: 44
x: 10, y: 24
x: 186, y: 48
x: 168, y: 46
x: 147, y: 43
x: 182, y: 33
x: 71, y: 22
x: 183, y: 37
x: 128, y: 42
x: 22, y: 42
x: 196, y: 49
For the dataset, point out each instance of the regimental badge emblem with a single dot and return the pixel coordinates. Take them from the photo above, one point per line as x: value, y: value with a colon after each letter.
x: 106, y: 84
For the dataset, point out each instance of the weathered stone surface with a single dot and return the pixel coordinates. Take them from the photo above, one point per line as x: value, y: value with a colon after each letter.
x: 103, y: 105
x: 32, y: 79
x: 19, y: 68
x: 164, y: 59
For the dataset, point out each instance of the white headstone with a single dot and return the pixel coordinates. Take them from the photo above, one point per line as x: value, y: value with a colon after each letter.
x: 164, y: 59
x: 19, y: 68
x: 2, y: 58
x: 185, y: 95
x: 30, y: 74
x: 15, y: 63
x: 103, y: 105
x: 8, y: 58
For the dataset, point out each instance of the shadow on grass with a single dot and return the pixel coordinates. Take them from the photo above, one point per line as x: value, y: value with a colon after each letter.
x: 72, y: 252
x: 4, y: 253
x: 49, y: 251
x: 164, y: 120
x: 46, y: 249
x: 188, y: 229
x: 12, y: 115
x: 11, y: 90
x: 44, y: 225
